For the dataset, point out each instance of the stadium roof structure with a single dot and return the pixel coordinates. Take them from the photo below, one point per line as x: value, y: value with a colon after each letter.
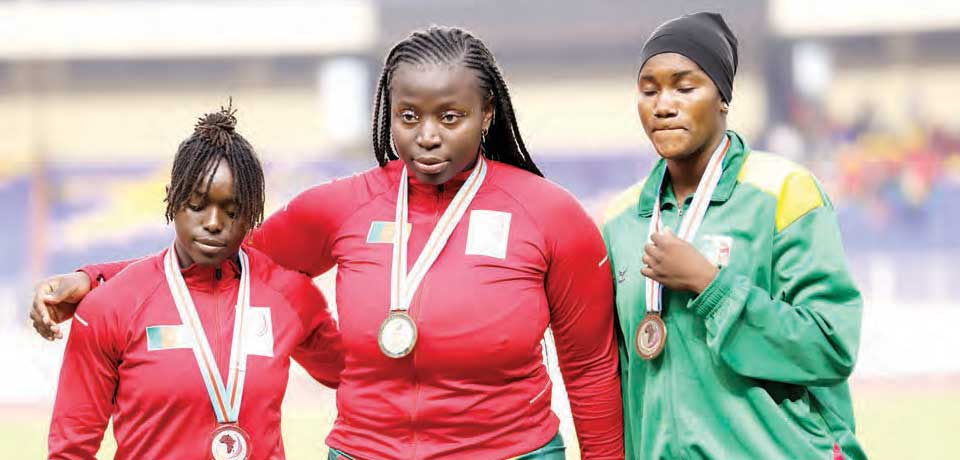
x: 825, y: 18
x: 104, y: 29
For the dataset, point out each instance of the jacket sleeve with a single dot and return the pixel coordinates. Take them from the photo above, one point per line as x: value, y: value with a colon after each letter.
x: 622, y: 343
x: 579, y: 290
x: 99, y: 273
x: 806, y: 330
x: 321, y: 350
x: 301, y: 235
x: 88, y: 381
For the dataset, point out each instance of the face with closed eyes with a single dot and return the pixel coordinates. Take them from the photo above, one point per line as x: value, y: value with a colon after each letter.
x: 437, y: 115
x: 680, y: 107
x: 209, y: 228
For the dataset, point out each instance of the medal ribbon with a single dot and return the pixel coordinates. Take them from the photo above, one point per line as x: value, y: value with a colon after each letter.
x: 402, y: 284
x: 691, y: 221
x: 225, y: 399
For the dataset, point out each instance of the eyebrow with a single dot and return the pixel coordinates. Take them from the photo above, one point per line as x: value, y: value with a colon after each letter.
x: 676, y: 75
x: 443, y: 106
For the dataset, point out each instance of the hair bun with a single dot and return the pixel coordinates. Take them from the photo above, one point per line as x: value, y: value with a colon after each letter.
x: 218, y: 126
x: 220, y: 120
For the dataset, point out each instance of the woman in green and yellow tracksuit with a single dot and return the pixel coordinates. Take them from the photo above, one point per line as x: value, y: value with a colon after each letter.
x: 739, y: 322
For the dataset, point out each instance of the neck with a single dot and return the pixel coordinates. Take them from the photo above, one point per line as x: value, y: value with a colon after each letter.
x: 685, y: 173
x: 183, y: 259
x: 475, y: 160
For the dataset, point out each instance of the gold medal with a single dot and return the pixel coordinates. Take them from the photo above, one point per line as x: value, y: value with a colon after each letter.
x: 230, y: 442
x: 398, y: 335
x: 651, y: 336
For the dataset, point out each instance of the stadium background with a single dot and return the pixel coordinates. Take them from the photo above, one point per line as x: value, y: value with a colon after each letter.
x: 95, y: 96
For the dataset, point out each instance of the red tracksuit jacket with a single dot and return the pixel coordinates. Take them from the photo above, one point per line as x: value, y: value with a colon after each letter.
x: 157, y: 398
x: 525, y: 256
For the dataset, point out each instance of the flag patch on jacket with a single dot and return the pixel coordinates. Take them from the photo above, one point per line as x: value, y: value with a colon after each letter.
x: 168, y: 337
x: 381, y: 231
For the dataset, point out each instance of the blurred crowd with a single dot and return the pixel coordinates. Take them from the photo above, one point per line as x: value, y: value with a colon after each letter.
x: 889, y: 183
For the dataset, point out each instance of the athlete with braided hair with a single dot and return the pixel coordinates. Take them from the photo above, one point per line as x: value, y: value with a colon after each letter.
x: 129, y: 354
x: 453, y: 257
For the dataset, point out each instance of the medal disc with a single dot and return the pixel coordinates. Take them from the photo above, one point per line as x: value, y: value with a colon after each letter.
x: 398, y: 335
x: 230, y: 442
x: 651, y: 336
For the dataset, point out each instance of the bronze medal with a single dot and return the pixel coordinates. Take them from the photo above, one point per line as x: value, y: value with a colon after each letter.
x: 651, y: 336
x: 230, y: 442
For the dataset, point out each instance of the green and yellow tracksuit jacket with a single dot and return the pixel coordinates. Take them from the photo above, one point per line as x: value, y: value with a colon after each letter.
x: 756, y: 366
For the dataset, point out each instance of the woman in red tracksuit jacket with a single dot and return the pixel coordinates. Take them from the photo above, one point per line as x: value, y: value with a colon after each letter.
x: 451, y: 263
x: 188, y: 350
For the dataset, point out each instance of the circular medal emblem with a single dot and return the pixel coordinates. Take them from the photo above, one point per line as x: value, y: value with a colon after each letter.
x: 398, y: 335
x: 651, y: 336
x: 230, y: 442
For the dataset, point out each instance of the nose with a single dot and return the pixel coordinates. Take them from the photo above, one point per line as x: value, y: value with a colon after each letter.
x: 428, y: 138
x: 664, y: 106
x: 213, y: 220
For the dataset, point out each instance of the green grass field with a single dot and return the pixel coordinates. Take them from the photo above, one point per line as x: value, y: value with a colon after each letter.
x: 896, y: 421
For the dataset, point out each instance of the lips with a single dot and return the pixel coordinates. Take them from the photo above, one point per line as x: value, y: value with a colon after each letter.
x: 210, y: 244
x: 429, y: 165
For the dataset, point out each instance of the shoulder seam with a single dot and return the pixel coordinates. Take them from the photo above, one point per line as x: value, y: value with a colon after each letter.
x: 370, y: 201
x: 128, y: 332
x: 773, y: 177
x: 767, y: 183
x: 530, y: 215
x: 805, y: 196
x: 622, y: 201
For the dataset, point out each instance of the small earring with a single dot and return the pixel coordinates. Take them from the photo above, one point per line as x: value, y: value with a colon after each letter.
x: 483, y: 142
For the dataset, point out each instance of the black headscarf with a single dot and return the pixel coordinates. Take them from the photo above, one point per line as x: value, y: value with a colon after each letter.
x: 704, y: 38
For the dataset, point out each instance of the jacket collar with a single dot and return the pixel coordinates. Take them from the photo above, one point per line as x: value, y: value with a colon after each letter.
x: 728, y: 178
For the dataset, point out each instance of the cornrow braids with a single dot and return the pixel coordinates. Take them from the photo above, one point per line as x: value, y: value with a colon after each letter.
x: 215, y: 138
x: 451, y: 46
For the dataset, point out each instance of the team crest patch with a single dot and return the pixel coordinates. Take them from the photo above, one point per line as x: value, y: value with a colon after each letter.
x: 258, y: 332
x: 488, y: 233
x: 168, y: 337
x: 382, y: 231
x: 716, y: 248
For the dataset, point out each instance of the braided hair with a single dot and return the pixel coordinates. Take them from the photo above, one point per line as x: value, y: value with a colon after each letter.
x: 450, y: 46
x: 215, y: 138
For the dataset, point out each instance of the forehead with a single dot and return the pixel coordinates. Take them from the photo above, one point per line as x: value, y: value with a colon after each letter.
x: 218, y: 187
x: 435, y: 81
x: 666, y: 65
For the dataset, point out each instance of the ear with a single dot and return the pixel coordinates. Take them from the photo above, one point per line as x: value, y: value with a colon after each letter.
x: 724, y: 107
x: 489, y: 113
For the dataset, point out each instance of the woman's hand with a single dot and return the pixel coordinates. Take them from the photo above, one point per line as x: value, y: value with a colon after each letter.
x: 54, y: 301
x: 676, y: 264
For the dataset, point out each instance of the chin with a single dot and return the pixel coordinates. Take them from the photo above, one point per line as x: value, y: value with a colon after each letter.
x: 434, y: 179
x: 672, y: 145
x: 673, y: 151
